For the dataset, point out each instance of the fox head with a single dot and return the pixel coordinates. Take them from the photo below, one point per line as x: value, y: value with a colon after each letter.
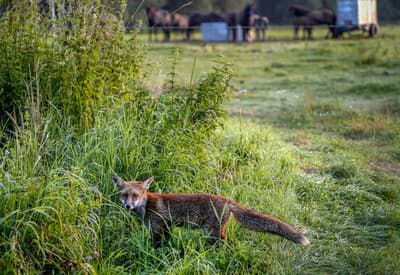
x: 133, y: 193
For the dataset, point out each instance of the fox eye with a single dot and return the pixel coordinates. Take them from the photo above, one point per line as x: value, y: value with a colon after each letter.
x: 134, y: 196
x: 124, y: 196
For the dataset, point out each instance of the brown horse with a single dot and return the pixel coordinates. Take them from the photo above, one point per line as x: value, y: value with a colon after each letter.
x: 180, y: 23
x: 244, y: 18
x: 158, y: 19
x: 307, y: 18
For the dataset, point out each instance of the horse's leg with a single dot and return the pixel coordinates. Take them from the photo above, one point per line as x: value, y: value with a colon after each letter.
x: 234, y: 33
x: 328, y: 34
x: 331, y: 32
x: 167, y: 33
x: 310, y: 29
x: 181, y: 31
x: 188, y: 34
x: 149, y: 32
x: 155, y: 33
x: 296, y: 31
x: 245, y: 34
x: 164, y: 30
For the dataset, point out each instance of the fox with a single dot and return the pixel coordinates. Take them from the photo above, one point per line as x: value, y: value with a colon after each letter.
x: 207, y: 211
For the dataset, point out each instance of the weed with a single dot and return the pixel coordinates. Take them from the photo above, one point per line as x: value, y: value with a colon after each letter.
x: 366, y: 127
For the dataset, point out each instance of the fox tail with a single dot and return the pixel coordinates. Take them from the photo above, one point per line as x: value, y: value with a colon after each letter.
x: 259, y: 222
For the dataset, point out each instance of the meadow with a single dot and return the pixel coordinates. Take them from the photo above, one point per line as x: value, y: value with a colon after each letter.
x: 310, y: 134
x: 335, y: 107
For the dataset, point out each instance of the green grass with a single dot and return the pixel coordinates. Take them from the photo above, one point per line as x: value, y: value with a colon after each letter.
x: 312, y: 138
x: 321, y: 84
x: 335, y: 105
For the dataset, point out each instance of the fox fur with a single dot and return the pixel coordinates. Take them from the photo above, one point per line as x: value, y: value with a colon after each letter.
x: 211, y: 212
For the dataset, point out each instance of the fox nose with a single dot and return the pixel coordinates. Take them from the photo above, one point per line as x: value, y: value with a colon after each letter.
x: 127, y: 206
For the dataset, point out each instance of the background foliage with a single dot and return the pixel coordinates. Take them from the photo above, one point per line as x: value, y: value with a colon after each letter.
x: 275, y: 10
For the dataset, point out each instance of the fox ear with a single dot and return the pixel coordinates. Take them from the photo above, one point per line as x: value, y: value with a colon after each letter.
x: 117, y: 181
x: 146, y: 183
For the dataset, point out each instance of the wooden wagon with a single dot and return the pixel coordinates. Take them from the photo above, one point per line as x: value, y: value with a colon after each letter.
x: 356, y: 15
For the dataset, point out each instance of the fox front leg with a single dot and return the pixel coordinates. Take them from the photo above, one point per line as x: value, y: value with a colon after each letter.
x: 159, y: 234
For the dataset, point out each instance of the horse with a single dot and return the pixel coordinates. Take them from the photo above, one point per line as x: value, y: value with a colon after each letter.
x: 298, y: 10
x: 180, y: 23
x: 244, y: 18
x: 306, y: 22
x: 196, y: 19
x: 158, y: 18
x: 260, y: 25
x: 308, y: 18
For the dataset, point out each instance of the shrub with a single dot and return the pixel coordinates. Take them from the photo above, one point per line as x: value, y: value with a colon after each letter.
x: 78, y: 61
x: 55, y: 217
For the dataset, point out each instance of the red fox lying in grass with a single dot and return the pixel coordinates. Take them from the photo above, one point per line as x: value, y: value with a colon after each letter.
x: 210, y: 212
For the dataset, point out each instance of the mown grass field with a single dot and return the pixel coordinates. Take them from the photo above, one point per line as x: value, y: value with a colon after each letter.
x: 312, y: 137
x: 344, y: 89
x: 335, y: 108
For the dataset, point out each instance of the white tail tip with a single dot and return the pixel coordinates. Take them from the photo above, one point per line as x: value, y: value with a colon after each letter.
x: 304, y: 241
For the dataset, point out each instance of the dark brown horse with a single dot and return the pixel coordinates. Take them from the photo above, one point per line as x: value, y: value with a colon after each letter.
x: 298, y: 10
x: 245, y: 19
x: 158, y: 19
x: 308, y: 18
x: 196, y: 19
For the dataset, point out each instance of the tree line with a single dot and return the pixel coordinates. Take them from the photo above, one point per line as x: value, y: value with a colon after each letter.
x: 275, y: 10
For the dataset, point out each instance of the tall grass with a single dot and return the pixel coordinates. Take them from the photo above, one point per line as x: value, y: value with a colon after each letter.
x: 60, y: 212
x: 56, y: 182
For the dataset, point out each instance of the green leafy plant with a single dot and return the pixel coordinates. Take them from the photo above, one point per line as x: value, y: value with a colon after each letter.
x: 80, y: 58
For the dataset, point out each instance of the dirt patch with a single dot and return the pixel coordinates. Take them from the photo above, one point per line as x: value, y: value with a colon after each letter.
x: 302, y: 143
x: 309, y: 170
